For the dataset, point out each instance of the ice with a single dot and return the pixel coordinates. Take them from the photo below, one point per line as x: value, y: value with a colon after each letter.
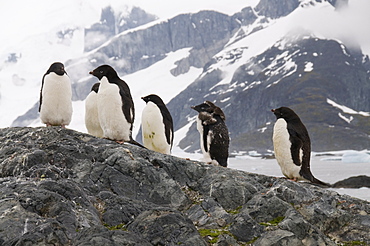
x: 356, y: 157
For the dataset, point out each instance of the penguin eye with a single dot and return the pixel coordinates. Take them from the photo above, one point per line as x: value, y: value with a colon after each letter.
x: 101, y: 71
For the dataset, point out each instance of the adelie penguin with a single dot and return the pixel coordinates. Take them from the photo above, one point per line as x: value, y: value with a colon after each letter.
x: 157, y: 125
x: 292, y: 146
x: 56, y: 97
x: 115, y: 106
x: 91, y: 112
x: 214, y: 135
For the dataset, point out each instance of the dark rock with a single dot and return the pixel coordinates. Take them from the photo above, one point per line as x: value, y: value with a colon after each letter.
x: 113, y: 22
x: 309, y: 234
x: 245, y: 228
x: 62, y: 187
x: 278, y: 237
x: 353, y: 182
x: 166, y: 227
x: 276, y: 8
x: 97, y: 236
x: 266, y: 208
x: 246, y: 16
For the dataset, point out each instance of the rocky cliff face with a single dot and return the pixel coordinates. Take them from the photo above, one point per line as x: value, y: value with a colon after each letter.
x: 205, y: 32
x: 113, y: 22
x: 303, y: 73
x: 61, y: 187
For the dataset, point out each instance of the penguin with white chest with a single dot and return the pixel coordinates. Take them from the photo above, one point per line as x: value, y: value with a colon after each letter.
x: 115, y: 106
x: 56, y: 97
x: 292, y: 146
x: 157, y: 125
x: 91, y: 112
x: 214, y: 135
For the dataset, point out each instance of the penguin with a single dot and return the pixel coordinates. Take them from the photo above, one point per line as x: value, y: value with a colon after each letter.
x: 115, y: 106
x: 292, y: 146
x: 91, y: 113
x: 214, y: 135
x: 56, y: 97
x: 157, y: 125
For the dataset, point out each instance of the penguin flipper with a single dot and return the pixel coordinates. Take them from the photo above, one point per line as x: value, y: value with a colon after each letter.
x: 127, y: 103
x: 168, y: 127
x: 42, y: 86
x: 296, y: 149
x: 205, y: 137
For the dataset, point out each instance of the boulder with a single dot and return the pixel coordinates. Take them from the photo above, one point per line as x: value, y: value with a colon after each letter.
x: 353, y: 182
x: 62, y: 187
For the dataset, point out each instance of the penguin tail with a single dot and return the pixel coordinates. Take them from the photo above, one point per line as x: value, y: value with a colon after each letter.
x: 306, y: 173
x: 222, y: 162
x: 132, y: 141
x: 320, y: 183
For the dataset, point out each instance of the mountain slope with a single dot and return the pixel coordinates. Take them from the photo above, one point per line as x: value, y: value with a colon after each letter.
x: 304, y: 75
x: 276, y: 54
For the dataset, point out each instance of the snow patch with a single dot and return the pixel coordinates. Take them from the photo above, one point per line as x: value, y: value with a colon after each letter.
x: 348, y: 120
x: 356, y: 157
x: 225, y: 100
x: 345, y: 109
x: 308, y: 67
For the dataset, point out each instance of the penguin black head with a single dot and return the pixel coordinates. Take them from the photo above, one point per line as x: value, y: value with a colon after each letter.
x: 58, y: 68
x: 285, y: 113
x: 153, y: 98
x: 95, y: 87
x: 211, y: 108
x: 203, y: 107
x: 104, y: 70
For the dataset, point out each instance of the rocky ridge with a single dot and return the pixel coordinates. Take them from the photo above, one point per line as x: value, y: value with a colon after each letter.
x: 62, y: 187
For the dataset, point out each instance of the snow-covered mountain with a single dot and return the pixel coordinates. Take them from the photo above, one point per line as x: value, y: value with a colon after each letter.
x: 309, y: 55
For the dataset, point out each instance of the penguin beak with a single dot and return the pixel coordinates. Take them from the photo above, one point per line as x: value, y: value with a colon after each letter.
x: 145, y: 99
x: 273, y: 110
x: 91, y: 72
x: 193, y: 107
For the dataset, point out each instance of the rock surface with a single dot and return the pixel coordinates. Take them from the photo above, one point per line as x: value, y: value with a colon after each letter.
x: 62, y: 187
x: 353, y: 182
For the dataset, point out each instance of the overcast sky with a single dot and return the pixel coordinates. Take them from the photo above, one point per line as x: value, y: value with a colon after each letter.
x: 22, y: 18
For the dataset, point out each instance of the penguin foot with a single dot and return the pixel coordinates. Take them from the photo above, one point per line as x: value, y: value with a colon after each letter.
x: 213, y: 163
x: 48, y: 124
x: 293, y: 179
